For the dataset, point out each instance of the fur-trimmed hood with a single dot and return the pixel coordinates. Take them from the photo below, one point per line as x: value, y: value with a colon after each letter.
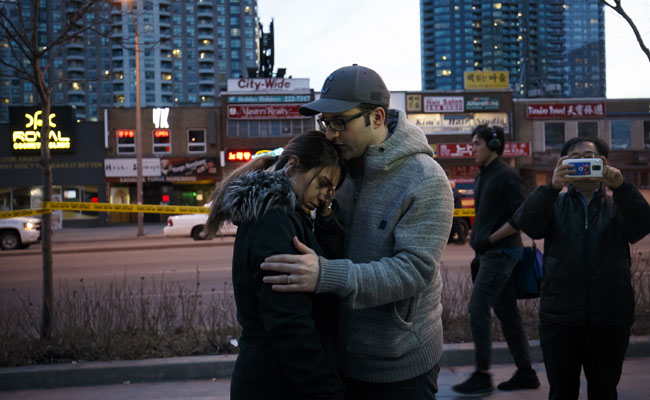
x: 252, y: 195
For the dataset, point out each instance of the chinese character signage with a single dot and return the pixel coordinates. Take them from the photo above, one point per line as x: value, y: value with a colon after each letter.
x: 486, y: 80
x: 481, y: 103
x: 464, y: 150
x: 26, y: 125
x: 565, y: 110
x: 127, y: 167
x: 258, y: 111
x: 270, y: 99
x: 268, y: 85
x: 443, y: 104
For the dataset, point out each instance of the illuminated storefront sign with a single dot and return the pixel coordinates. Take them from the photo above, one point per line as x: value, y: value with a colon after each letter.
x: 160, y: 117
x: 26, y: 125
x: 460, y: 123
x: 238, y: 156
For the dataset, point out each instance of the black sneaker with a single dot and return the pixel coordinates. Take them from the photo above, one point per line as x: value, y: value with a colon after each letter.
x: 478, y: 383
x: 522, y: 379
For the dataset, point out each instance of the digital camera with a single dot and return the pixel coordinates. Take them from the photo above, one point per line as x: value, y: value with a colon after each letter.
x: 585, y: 167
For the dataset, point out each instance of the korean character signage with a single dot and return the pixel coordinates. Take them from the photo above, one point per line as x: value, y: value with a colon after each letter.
x: 486, y: 80
x: 413, y: 103
x: 565, y: 110
x: 444, y: 104
x: 464, y: 150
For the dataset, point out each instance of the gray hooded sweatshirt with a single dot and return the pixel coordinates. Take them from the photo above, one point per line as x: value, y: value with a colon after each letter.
x: 397, y: 215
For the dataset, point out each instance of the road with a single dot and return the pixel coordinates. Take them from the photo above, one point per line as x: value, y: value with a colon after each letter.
x: 178, y: 263
x: 23, y: 273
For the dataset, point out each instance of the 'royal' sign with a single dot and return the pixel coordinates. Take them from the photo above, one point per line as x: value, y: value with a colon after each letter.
x: 27, y: 123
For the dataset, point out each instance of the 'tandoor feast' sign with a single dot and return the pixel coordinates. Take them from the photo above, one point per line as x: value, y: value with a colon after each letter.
x: 26, y: 125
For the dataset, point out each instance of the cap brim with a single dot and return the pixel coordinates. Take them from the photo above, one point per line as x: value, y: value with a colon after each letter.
x: 326, y: 106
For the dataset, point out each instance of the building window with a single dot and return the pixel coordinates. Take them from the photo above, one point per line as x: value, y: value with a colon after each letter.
x: 125, y: 141
x: 162, y: 141
x: 588, y: 129
x: 646, y: 134
x: 553, y: 135
x: 196, y: 141
x: 621, y: 134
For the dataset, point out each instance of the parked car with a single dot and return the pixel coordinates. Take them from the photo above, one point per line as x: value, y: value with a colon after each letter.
x: 191, y: 225
x: 465, y: 188
x: 19, y: 232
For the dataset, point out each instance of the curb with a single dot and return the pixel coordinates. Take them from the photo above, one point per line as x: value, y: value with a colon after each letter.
x: 219, y: 367
x: 114, y: 247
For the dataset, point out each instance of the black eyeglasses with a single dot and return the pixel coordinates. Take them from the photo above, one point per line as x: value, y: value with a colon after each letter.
x: 339, y: 124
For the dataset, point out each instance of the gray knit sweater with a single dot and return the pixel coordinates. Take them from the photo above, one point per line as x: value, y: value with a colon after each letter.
x: 397, y: 214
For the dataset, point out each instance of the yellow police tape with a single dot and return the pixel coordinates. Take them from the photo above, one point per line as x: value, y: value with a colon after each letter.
x: 134, y: 208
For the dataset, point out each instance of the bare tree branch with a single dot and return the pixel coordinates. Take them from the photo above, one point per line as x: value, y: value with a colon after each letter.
x: 619, y: 9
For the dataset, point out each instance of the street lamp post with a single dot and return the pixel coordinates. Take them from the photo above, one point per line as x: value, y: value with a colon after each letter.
x: 138, y: 123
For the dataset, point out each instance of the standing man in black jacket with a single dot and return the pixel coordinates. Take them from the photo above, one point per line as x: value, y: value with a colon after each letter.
x: 587, y: 300
x: 498, y: 193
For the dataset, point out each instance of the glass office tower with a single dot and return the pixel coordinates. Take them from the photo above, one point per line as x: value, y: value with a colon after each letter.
x: 551, y: 48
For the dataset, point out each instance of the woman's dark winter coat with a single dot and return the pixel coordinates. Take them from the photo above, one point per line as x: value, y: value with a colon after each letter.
x: 286, y: 337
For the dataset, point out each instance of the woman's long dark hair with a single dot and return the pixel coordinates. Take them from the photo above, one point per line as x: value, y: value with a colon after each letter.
x: 313, y: 151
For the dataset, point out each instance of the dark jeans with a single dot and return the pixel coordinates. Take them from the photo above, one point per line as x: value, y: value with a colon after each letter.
x: 493, y: 288
x: 423, y: 387
x: 600, y: 351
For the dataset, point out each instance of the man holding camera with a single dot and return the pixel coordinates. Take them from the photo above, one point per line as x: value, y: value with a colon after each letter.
x: 587, y: 300
x: 498, y: 194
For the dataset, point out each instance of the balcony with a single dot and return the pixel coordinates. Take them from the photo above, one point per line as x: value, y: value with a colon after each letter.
x: 205, y: 33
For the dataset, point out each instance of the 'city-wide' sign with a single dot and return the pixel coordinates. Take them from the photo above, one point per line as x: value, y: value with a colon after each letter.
x: 26, y: 125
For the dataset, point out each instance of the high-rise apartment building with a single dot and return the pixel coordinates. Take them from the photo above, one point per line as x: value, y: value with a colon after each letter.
x: 550, y: 48
x: 189, y: 49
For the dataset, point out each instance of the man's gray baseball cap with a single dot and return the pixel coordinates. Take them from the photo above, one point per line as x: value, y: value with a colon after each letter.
x: 346, y: 88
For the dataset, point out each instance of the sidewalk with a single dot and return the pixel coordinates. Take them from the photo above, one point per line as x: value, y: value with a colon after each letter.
x: 634, y: 385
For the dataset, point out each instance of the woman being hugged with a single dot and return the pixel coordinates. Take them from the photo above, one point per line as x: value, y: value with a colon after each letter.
x: 285, y: 347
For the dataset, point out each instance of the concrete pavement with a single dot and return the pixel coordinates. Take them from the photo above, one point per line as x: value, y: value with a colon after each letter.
x: 634, y: 385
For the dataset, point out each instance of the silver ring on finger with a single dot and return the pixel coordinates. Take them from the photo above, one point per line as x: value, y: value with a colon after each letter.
x: 288, y: 279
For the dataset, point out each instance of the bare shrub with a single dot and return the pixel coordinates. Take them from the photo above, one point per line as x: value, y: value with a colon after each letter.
x: 120, y: 320
x: 640, y: 273
x: 456, y: 292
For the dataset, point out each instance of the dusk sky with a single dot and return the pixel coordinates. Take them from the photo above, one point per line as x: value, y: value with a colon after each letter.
x: 313, y: 38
